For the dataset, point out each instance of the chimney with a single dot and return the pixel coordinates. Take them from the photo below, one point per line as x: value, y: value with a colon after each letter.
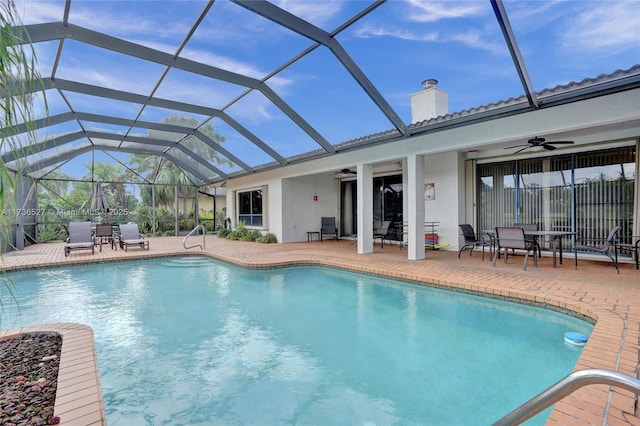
x: 430, y: 102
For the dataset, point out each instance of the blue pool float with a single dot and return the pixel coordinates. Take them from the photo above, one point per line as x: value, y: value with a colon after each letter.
x: 574, y: 338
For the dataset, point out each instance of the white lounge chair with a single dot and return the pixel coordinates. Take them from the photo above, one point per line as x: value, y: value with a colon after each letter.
x: 130, y: 236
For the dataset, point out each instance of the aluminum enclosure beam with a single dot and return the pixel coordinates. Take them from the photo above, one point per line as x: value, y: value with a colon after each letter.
x: 58, y: 31
x: 514, y: 50
x: 304, y: 28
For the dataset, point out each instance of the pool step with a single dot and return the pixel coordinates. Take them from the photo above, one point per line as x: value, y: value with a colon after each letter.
x: 187, y: 262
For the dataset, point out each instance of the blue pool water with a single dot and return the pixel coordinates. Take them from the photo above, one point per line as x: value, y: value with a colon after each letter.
x: 194, y: 341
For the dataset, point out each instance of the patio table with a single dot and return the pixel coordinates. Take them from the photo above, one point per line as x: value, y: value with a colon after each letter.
x: 555, y: 238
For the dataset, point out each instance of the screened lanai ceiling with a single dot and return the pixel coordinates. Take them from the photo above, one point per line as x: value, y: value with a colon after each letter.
x: 226, y: 88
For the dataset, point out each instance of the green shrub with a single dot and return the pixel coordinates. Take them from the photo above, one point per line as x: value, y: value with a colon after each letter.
x: 250, y: 235
x: 268, y: 239
x: 243, y: 234
x: 222, y: 233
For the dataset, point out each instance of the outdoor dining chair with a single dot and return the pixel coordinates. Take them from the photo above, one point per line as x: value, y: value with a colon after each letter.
x: 104, y: 234
x: 530, y: 238
x: 631, y: 247
x: 382, y: 232
x: 512, y: 237
x: 471, y: 240
x: 328, y: 227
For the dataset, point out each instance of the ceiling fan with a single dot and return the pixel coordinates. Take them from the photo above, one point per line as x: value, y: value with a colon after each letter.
x: 537, y: 141
x: 346, y: 172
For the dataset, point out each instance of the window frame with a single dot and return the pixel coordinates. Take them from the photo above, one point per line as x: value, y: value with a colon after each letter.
x: 255, y: 212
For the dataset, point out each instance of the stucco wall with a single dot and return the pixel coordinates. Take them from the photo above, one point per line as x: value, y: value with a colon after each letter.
x: 292, y: 211
x: 444, y: 170
x: 300, y: 213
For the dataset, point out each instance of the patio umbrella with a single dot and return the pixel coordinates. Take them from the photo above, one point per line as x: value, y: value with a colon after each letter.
x: 99, y: 201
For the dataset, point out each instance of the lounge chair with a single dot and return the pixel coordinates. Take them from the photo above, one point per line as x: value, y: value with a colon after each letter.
x: 604, y: 248
x: 131, y: 236
x: 329, y: 227
x: 80, y: 238
x: 471, y: 240
x: 512, y: 237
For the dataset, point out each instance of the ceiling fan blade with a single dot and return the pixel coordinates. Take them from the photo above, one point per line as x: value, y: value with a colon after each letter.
x: 517, y: 146
x: 522, y: 149
x: 548, y: 147
x: 558, y: 143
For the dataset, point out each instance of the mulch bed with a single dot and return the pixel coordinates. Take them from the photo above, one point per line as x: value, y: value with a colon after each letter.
x: 28, y: 379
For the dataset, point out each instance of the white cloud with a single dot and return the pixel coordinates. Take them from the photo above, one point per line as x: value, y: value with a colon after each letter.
x: 476, y: 39
x: 605, y: 26
x: 423, y: 12
x: 370, y: 31
x: 471, y: 38
x: 529, y: 16
x: 32, y: 12
x: 316, y: 12
x: 429, y: 11
x: 235, y: 66
x: 223, y: 62
x: 125, y: 22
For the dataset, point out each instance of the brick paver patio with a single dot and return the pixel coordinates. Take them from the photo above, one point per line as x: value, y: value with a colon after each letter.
x: 594, y: 290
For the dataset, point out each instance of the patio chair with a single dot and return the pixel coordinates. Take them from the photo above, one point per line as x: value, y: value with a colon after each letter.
x: 531, y: 239
x: 471, y: 240
x: 131, y: 236
x: 603, y: 248
x: 328, y: 227
x: 104, y: 234
x: 80, y: 238
x: 512, y: 237
x: 631, y: 247
x: 382, y: 232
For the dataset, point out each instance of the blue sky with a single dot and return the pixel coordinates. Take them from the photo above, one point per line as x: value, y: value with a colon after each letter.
x: 398, y: 45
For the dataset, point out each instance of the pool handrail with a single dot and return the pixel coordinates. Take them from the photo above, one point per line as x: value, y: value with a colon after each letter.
x: 204, y: 232
x: 565, y: 387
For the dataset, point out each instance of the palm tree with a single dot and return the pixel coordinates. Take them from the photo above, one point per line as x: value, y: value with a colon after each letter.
x: 167, y: 174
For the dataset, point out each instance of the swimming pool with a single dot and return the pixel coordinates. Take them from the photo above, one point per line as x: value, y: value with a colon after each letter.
x: 196, y: 341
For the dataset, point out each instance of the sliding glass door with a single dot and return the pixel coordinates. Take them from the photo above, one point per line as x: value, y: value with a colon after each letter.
x: 604, y: 193
x: 387, y: 205
x: 588, y: 193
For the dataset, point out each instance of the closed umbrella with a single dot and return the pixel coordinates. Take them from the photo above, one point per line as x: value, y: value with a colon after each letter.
x: 99, y: 201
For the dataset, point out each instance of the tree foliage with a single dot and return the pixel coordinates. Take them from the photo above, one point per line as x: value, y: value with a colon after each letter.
x: 166, y: 174
x: 18, y: 79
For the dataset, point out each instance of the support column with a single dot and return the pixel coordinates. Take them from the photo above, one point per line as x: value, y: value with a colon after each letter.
x: 365, y: 208
x: 415, y: 213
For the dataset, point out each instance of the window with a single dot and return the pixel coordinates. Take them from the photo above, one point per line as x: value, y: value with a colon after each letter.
x: 250, y: 208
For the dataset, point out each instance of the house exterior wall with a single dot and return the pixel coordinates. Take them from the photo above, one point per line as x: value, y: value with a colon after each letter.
x: 590, y: 123
x: 300, y: 213
x: 446, y: 172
